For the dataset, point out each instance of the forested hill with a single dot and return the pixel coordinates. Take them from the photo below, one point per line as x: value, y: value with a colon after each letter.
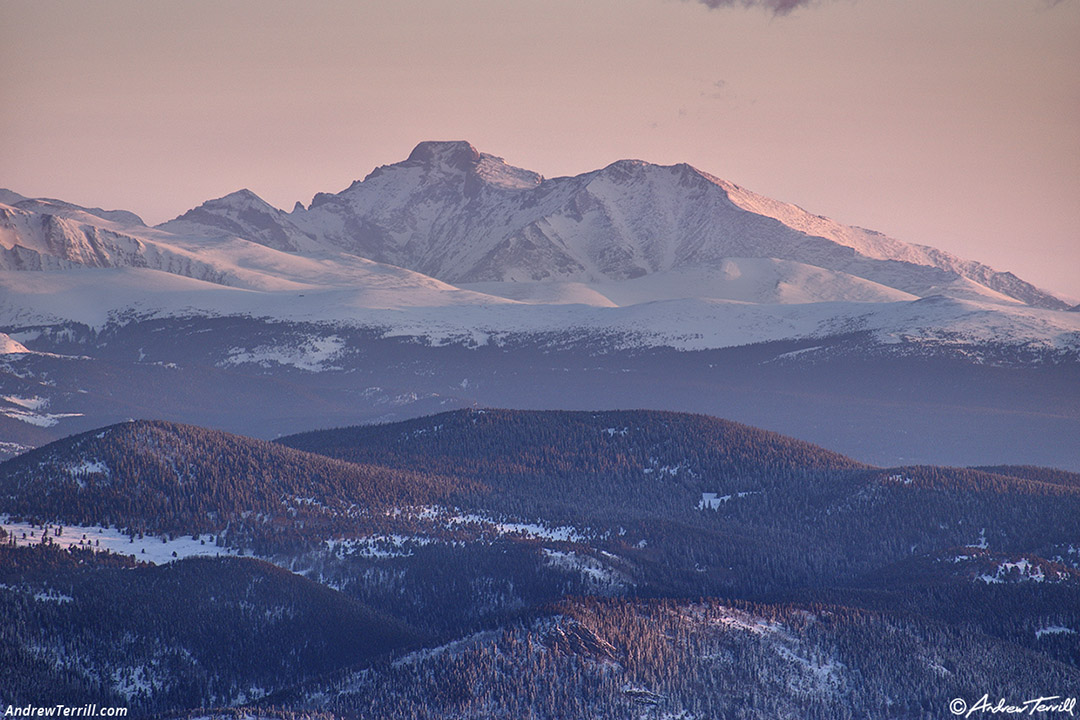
x: 604, y: 467
x: 696, y: 500
x: 521, y: 443
x: 165, y: 477
x: 80, y: 628
x: 699, y: 555
x: 1052, y: 476
x: 698, y: 659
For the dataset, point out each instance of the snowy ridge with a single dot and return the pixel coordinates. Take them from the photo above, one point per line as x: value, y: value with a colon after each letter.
x: 9, y: 346
x: 463, y: 216
x: 459, y: 215
x: 396, y: 305
x: 31, y: 410
x: 48, y: 236
x: 455, y: 245
x: 241, y: 214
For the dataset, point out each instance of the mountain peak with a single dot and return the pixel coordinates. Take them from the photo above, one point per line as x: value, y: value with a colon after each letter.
x: 449, y: 160
x: 457, y: 154
x: 242, y: 196
x: 241, y: 214
x: 10, y: 197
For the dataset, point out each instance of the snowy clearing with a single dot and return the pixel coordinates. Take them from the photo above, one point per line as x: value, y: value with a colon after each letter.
x: 149, y: 548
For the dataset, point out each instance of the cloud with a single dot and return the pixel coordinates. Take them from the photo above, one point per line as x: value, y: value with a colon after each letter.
x: 783, y: 7
x: 715, y: 90
x: 778, y: 7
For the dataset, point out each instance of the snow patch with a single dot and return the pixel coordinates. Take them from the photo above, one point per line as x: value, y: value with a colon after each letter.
x: 11, y: 346
x: 591, y: 569
x: 533, y: 531
x: 1054, y: 630
x: 52, y: 596
x: 149, y: 548
x: 669, y: 470
x: 30, y: 410
x: 982, y: 543
x: 712, y: 501
x: 733, y: 619
x: 28, y: 403
x: 11, y: 449
x: 88, y: 467
x: 377, y: 546
x: 312, y: 354
x: 37, y: 419
x: 1021, y: 570
x: 135, y: 681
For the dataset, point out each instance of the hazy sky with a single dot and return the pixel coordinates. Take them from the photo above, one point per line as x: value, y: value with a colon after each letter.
x: 954, y: 123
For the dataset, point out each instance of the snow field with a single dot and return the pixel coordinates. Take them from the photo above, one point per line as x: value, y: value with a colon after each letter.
x: 149, y: 548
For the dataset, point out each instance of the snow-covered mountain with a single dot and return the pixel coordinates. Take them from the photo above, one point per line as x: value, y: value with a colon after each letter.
x: 452, y: 283
x: 452, y: 242
x: 462, y: 216
x: 452, y: 279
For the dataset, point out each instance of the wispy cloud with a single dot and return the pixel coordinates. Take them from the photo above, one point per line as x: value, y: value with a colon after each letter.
x: 783, y: 7
x: 778, y: 7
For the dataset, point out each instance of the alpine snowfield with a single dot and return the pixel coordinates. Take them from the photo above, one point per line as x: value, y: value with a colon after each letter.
x: 454, y: 243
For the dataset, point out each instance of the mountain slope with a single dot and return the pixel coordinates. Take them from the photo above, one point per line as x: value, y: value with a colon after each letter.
x: 706, y: 659
x: 242, y: 214
x: 527, y: 446
x: 59, y: 238
x: 453, y: 213
x: 42, y: 235
x: 703, y: 556
x: 701, y: 502
x: 530, y: 252
x: 167, y: 478
x: 463, y: 216
x: 81, y: 628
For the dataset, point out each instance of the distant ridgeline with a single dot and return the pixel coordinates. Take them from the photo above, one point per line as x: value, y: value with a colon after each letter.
x: 497, y: 563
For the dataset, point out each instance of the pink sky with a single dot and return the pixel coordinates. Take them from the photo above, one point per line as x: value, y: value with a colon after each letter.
x: 954, y: 123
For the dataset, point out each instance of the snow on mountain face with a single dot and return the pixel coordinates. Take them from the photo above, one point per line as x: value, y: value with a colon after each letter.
x: 9, y: 346
x: 750, y: 280
x: 242, y: 214
x: 463, y: 216
x: 453, y: 213
x: 70, y: 244
x: 668, y: 255
x: 437, y: 212
x: 45, y: 235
